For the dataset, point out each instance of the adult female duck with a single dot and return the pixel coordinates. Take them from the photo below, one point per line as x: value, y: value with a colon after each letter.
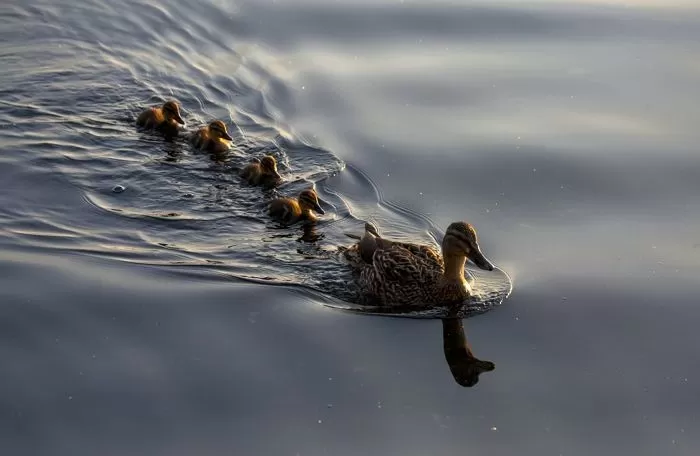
x: 396, y: 273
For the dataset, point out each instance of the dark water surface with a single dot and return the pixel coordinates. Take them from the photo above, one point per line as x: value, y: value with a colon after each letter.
x: 148, y: 322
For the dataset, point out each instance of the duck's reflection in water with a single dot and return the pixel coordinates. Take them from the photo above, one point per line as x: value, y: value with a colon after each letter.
x: 465, y: 367
x: 173, y: 149
x: 310, y: 233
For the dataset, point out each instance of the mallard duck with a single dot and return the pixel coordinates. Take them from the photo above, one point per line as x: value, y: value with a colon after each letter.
x: 165, y: 118
x: 289, y: 210
x: 262, y: 172
x: 212, y: 138
x: 397, y: 273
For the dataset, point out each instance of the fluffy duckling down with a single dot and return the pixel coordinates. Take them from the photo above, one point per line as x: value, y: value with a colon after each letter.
x: 289, y: 210
x: 166, y: 118
x: 262, y: 172
x: 212, y: 138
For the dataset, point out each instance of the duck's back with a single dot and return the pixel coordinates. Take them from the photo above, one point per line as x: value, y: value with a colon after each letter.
x: 397, y: 276
x: 150, y: 118
x: 285, y: 210
x: 200, y: 138
x: 424, y: 252
x: 252, y: 173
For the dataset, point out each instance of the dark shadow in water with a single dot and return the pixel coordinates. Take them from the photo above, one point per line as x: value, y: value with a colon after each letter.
x: 171, y: 144
x: 310, y: 233
x: 465, y: 367
x: 173, y: 150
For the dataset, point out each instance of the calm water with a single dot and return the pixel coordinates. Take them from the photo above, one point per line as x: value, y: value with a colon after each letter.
x: 151, y: 322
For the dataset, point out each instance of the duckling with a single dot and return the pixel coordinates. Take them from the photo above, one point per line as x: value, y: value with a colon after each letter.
x: 262, y: 172
x: 412, y: 274
x: 165, y: 118
x: 289, y: 211
x: 212, y: 138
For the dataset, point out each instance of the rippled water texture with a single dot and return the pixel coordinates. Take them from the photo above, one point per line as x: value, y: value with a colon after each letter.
x: 152, y: 321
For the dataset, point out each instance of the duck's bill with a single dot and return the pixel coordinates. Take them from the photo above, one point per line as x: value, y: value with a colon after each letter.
x: 178, y: 119
x: 480, y: 260
x: 276, y: 175
x: 319, y: 209
x: 227, y: 137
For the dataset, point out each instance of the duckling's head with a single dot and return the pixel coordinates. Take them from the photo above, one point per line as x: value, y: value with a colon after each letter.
x: 308, y: 200
x: 269, y: 166
x: 217, y: 129
x: 171, y: 111
x: 460, y: 239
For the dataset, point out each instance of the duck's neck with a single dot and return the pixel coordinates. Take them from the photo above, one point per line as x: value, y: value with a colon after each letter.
x: 454, y: 267
x: 455, y: 341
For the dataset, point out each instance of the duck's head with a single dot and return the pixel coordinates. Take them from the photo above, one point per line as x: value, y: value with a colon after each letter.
x: 171, y: 112
x: 269, y: 166
x: 308, y: 200
x: 217, y: 129
x: 460, y: 239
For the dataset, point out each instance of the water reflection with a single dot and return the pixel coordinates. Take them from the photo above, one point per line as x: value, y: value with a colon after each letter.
x: 465, y: 367
x: 310, y: 233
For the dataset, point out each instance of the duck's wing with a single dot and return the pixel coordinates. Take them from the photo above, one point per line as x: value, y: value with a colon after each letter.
x: 398, y: 264
x: 353, y: 256
x: 424, y: 252
x: 397, y: 277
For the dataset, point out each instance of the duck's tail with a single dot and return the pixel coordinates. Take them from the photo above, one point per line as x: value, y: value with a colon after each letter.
x: 369, y: 228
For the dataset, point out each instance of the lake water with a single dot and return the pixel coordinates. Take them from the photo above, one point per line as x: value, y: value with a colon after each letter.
x: 174, y: 319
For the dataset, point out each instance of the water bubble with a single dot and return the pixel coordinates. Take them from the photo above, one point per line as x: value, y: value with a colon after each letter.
x: 118, y: 188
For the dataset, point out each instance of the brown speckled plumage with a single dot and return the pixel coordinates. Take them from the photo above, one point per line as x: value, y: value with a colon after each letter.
x: 396, y: 273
